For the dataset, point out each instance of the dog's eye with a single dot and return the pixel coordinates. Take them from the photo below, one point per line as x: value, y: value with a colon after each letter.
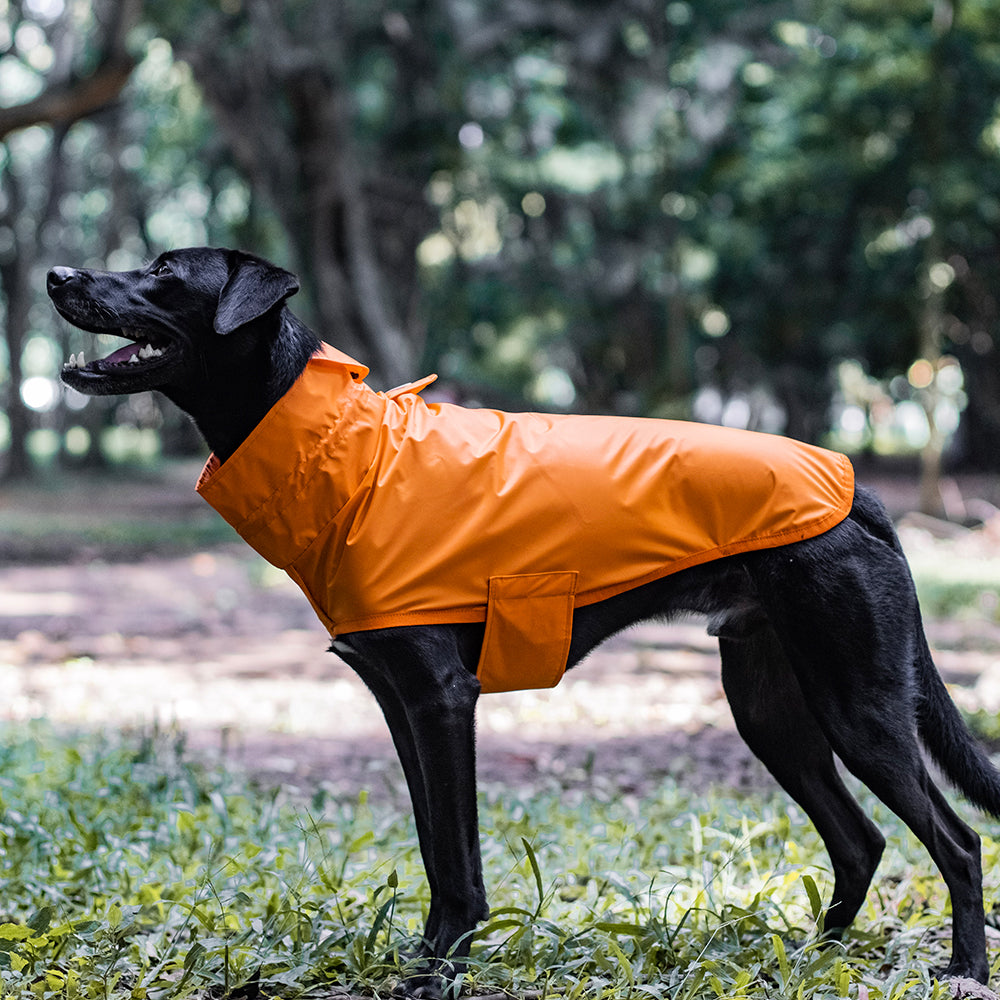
x: 161, y: 269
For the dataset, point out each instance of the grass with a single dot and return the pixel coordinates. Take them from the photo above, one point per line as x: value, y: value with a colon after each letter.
x: 116, y: 515
x: 956, y: 584
x: 955, y: 578
x: 130, y: 872
x: 28, y: 537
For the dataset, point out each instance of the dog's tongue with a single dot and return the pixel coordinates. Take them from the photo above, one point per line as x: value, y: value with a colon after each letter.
x: 123, y: 355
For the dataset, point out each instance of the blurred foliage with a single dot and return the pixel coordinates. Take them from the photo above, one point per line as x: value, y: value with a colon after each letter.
x: 781, y: 215
x: 956, y: 583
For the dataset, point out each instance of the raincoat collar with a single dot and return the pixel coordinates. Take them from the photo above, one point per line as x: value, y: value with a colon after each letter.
x: 331, y: 355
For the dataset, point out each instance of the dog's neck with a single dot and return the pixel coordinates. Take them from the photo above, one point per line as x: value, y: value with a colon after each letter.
x: 261, y: 366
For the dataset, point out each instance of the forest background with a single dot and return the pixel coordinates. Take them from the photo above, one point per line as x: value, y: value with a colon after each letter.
x: 779, y: 215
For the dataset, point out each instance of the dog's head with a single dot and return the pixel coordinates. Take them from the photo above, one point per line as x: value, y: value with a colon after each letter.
x: 184, y: 315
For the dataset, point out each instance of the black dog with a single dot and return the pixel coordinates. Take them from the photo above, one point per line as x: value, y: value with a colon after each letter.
x: 823, y: 650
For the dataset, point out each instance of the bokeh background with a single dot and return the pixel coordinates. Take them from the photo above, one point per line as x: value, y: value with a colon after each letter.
x: 781, y: 215
x: 778, y: 215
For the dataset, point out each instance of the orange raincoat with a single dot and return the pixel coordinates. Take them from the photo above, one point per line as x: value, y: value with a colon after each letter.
x: 387, y: 510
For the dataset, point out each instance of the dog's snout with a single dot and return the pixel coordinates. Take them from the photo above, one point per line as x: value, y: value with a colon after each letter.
x: 60, y: 276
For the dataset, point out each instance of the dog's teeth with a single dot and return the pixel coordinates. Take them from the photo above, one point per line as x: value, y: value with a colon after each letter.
x: 145, y: 351
x: 71, y: 363
x: 134, y: 360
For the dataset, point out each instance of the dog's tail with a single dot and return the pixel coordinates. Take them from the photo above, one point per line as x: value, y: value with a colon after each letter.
x: 940, y: 725
x: 945, y: 735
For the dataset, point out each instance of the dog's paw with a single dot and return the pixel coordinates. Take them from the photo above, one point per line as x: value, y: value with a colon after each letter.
x: 428, y: 978
x: 424, y: 987
x: 968, y: 989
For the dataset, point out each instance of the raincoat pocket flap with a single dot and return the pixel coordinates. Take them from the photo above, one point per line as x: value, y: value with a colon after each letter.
x: 529, y: 624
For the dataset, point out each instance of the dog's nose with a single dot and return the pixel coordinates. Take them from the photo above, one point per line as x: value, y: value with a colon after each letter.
x: 59, y: 276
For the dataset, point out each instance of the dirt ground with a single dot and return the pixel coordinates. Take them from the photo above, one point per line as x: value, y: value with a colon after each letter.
x: 220, y: 647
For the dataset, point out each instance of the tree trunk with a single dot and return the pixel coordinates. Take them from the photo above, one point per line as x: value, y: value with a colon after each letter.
x: 17, y: 291
x: 15, y: 279
x: 345, y: 261
x: 931, y: 319
x: 301, y: 154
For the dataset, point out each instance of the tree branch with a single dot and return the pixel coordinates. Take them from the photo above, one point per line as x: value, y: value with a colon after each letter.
x: 66, y: 101
x: 65, y: 104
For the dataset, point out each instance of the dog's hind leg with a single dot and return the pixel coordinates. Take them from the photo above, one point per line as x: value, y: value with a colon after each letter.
x: 894, y: 770
x: 884, y: 755
x: 428, y: 697
x: 777, y: 725
x: 843, y: 608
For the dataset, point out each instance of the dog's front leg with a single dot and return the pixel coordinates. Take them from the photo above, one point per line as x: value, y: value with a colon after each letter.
x: 428, y: 697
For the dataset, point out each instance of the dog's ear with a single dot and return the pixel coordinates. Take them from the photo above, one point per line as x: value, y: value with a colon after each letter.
x: 253, y: 287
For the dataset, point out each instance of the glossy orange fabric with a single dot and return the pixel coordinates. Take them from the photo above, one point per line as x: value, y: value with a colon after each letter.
x: 387, y: 510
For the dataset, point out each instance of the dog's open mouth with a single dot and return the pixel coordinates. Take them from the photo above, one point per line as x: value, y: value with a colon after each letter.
x: 137, y: 366
x: 141, y: 352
